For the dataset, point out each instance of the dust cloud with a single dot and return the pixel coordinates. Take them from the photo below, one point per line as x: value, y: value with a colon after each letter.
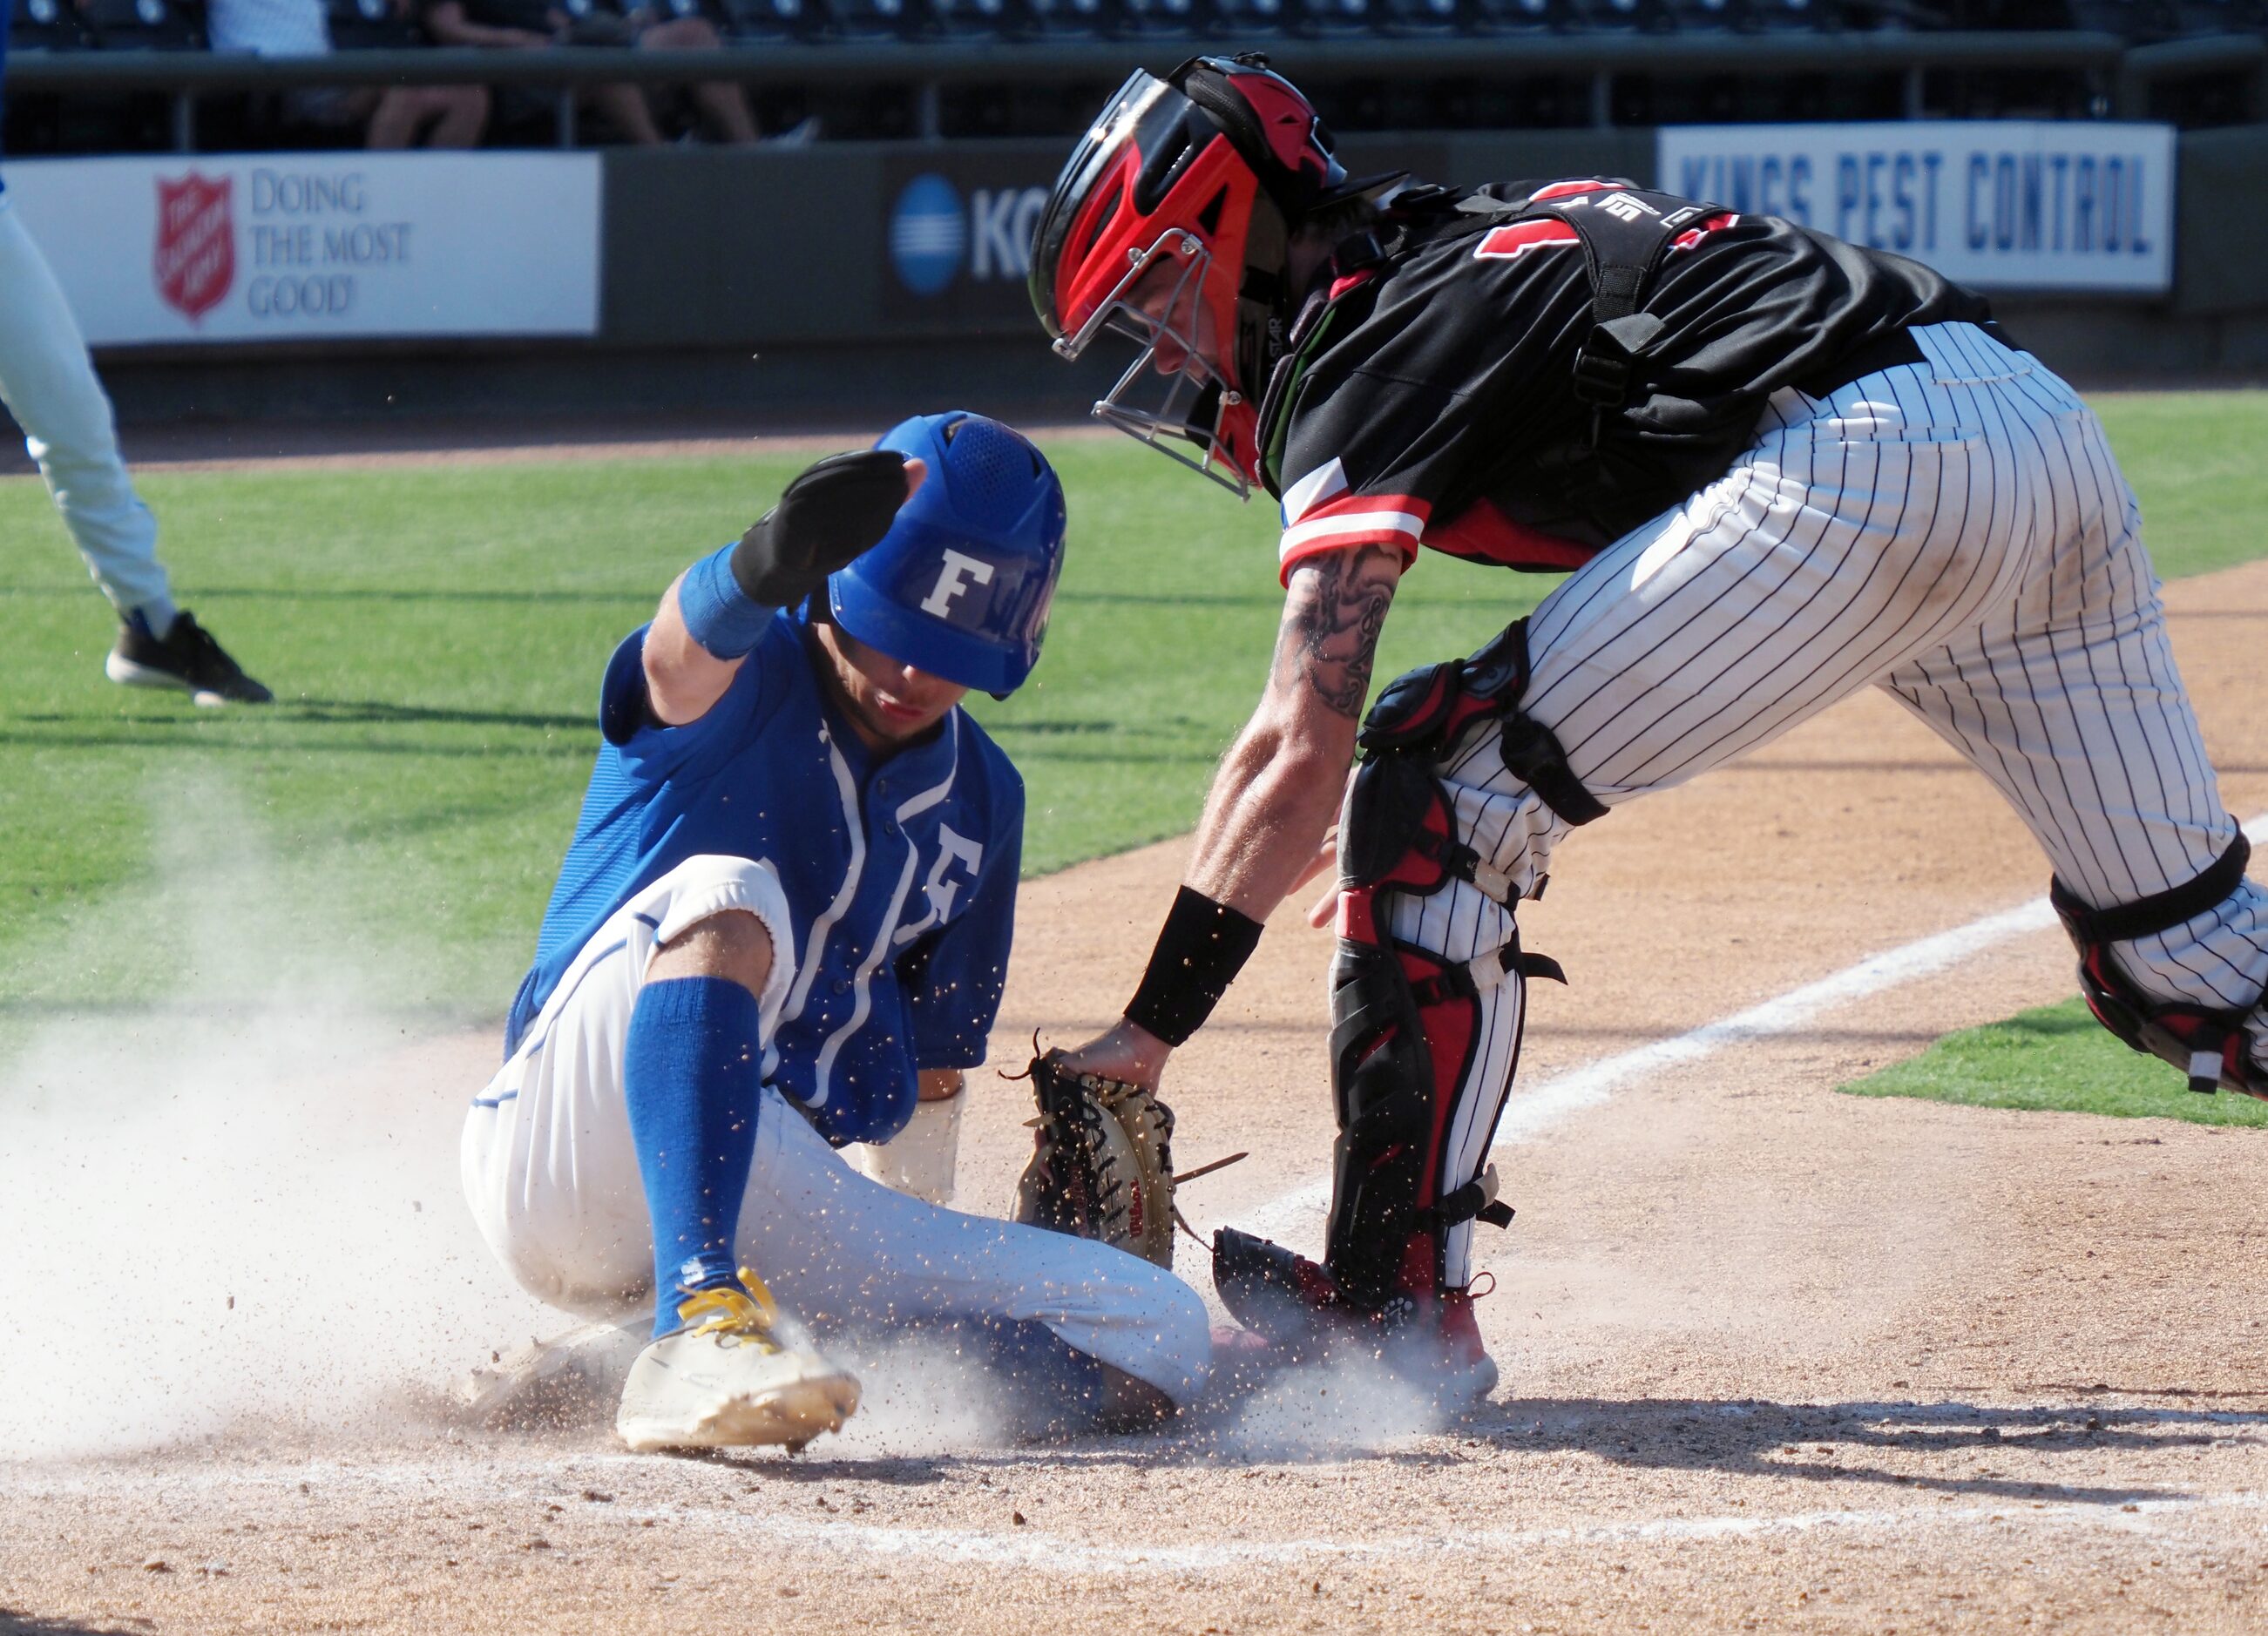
x: 234, y: 1210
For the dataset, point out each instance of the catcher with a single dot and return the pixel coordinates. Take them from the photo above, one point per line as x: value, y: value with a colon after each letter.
x: 1777, y: 468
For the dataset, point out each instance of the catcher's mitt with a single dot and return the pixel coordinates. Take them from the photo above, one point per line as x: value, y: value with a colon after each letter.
x: 1102, y: 1163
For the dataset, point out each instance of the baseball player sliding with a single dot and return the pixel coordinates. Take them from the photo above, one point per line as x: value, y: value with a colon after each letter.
x: 782, y: 927
x: 1780, y: 468
x: 48, y: 382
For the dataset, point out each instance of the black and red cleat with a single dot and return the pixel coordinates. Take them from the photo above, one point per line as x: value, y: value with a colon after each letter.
x: 1276, y: 1293
x: 1293, y: 1310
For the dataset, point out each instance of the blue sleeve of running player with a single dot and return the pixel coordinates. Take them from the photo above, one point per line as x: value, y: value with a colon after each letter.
x: 953, y: 990
x: 653, y: 752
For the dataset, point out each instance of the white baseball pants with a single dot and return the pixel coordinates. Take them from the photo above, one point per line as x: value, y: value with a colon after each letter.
x: 1955, y: 532
x: 48, y: 384
x: 552, y: 1176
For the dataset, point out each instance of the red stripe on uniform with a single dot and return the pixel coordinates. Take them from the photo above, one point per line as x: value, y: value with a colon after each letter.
x: 1504, y: 242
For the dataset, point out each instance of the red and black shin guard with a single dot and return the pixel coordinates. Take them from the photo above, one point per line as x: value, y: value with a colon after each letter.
x: 1407, y: 1043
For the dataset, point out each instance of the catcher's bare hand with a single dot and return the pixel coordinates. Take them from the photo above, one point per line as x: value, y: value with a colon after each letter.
x: 1127, y: 1052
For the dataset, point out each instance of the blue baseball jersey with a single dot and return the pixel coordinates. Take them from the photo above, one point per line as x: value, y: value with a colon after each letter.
x: 899, y: 869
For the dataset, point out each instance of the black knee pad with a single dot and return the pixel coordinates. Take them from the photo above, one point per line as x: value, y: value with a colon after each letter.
x: 1425, y: 714
x: 1398, y: 830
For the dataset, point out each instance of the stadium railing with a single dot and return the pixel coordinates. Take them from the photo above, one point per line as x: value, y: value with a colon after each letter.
x: 2126, y: 72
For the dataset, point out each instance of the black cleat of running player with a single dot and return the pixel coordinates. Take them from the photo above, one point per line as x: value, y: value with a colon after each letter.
x: 186, y: 657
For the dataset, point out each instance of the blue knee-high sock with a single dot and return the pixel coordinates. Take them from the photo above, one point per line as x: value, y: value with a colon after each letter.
x: 693, y: 1065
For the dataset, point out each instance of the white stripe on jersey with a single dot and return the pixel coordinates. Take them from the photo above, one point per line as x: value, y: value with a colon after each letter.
x: 1327, y: 482
x: 1366, y: 524
x: 862, y: 1001
x: 847, y: 792
x: 917, y: 804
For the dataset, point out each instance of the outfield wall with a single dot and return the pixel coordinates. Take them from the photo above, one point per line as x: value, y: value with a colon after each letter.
x: 834, y: 283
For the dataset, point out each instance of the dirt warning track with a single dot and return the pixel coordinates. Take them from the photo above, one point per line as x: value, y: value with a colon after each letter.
x: 1773, y: 1358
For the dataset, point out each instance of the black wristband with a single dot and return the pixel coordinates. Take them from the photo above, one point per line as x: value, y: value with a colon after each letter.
x: 1201, y: 949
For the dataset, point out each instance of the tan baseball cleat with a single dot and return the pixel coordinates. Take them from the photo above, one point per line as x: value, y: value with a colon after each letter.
x: 732, y: 1379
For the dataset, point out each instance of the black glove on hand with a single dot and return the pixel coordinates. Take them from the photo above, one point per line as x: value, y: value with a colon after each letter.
x: 835, y: 510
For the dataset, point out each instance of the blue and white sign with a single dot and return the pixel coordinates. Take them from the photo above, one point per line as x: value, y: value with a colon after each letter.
x: 958, y: 226
x: 1996, y: 204
x: 928, y: 234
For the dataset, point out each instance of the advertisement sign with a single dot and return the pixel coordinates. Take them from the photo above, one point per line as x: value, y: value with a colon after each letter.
x: 959, y: 230
x: 319, y: 247
x: 1996, y: 204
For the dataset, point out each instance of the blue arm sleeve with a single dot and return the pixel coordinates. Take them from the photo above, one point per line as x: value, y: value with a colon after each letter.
x: 717, y: 613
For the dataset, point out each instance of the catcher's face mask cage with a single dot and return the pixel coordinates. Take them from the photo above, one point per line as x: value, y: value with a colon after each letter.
x: 1169, y: 225
x: 1174, y: 396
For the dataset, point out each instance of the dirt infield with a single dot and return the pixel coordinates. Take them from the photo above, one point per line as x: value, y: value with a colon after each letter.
x: 1773, y: 1358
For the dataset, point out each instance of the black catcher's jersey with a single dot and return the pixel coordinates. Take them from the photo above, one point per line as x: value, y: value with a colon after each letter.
x: 1427, y: 392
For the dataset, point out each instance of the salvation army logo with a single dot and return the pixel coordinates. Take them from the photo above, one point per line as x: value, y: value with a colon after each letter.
x: 195, y: 260
x: 929, y: 231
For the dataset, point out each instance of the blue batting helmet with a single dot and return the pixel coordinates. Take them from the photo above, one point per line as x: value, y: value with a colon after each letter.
x: 960, y: 586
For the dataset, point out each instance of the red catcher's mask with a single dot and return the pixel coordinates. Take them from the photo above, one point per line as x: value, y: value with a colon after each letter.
x: 1170, y: 224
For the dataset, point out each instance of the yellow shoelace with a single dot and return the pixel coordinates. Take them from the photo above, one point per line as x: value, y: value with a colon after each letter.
x: 747, y: 1313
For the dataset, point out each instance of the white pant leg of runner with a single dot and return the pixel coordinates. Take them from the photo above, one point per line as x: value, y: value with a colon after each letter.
x: 1928, y: 528
x: 48, y: 384
x: 552, y: 1176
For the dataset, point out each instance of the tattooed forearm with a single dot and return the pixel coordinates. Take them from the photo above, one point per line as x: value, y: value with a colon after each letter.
x: 1331, y: 621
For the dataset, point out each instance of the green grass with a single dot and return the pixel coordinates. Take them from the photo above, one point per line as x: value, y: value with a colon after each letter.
x: 2195, y: 460
x: 2060, y: 1058
x: 436, y: 638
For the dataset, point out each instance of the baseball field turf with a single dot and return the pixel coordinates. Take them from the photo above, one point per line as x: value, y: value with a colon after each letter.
x: 435, y: 638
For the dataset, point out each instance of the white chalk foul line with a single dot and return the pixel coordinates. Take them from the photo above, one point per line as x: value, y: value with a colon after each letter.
x: 493, y: 1480
x: 1059, y: 1554
x: 1529, y: 1115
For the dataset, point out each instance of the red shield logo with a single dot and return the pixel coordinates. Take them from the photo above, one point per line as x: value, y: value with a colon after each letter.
x: 195, y: 260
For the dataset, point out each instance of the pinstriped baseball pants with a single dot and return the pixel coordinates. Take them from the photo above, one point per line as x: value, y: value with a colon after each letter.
x: 1955, y: 532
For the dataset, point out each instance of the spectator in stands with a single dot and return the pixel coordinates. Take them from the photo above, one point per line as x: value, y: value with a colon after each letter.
x: 449, y: 116
x: 531, y: 25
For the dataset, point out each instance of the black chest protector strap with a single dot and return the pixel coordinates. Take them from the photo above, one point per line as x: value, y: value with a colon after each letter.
x: 1626, y: 233
x: 2160, y: 912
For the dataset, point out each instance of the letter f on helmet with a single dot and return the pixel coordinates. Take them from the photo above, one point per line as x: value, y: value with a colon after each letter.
x: 953, y: 579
